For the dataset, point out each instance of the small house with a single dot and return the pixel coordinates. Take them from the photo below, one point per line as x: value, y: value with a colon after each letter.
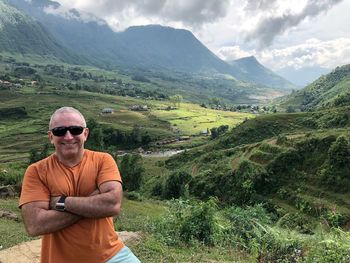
x: 107, y: 111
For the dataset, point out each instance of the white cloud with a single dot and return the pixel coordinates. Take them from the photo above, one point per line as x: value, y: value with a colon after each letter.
x: 313, y: 52
x: 294, y: 32
x: 274, y: 25
x: 233, y: 53
x: 123, y: 13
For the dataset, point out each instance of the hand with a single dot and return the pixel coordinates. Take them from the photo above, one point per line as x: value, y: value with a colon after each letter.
x: 53, y: 201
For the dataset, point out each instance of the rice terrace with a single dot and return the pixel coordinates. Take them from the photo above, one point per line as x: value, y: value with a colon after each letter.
x: 237, y: 151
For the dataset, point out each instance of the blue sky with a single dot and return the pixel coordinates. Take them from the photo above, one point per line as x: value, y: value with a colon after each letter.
x: 280, y: 33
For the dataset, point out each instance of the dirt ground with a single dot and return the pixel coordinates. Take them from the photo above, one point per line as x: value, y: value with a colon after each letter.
x: 29, y: 252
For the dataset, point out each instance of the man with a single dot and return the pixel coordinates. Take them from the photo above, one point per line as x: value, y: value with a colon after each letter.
x: 71, y: 196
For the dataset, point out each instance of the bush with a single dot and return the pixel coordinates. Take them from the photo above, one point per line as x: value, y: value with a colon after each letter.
x: 297, y: 221
x: 12, y: 174
x: 242, y: 185
x: 334, y: 247
x: 133, y: 196
x: 337, y: 166
x: 249, y: 230
x: 187, y: 221
x: 175, y: 185
x: 132, y: 171
x: 334, y: 218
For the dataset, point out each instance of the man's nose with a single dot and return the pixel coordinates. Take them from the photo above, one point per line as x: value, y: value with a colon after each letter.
x: 68, y: 135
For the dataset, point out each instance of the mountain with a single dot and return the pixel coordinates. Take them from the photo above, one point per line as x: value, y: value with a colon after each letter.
x: 151, y: 47
x: 249, y: 69
x: 304, y: 76
x: 328, y: 91
x: 21, y: 34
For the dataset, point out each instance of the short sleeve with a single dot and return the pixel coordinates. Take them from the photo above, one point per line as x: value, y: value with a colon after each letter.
x: 33, y: 188
x: 108, y: 170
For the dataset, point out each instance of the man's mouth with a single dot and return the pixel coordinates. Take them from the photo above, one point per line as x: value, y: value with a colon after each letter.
x: 68, y: 143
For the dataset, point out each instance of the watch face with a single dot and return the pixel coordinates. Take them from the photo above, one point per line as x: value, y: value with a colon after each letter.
x: 60, y: 203
x: 60, y: 207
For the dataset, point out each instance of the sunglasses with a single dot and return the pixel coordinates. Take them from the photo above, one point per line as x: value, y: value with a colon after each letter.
x: 61, y: 131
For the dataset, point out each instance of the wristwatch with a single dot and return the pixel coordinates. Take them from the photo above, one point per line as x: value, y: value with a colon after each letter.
x: 60, y: 206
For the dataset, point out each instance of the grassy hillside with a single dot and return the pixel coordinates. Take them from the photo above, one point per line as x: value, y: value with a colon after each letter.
x: 34, y: 91
x: 297, y: 163
x: 269, y: 188
x: 331, y: 90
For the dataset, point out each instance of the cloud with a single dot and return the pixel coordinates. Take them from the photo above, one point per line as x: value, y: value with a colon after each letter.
x: 240, y: 28
x: 314, y: 52
x: 123, y: 13
x: 260, y: 5
x: 273, y: 25
x: 233, y: 53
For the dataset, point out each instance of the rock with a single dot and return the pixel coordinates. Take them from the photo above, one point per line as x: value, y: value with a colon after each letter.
x: 9, y: 215
x: 7, y: 191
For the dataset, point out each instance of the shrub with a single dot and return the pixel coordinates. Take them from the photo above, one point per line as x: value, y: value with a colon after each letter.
x: 334, y: 218
x: 200, y: 224
x: 133, y: 196
x: 187, y: 221
x: 335, y: 247
x: 132, y: 171
x: 175, y: 185
x: 242, y: 185
x: 245, y: 224
x: 297, y: 221
x: 249, y: 230
x: 337, y: 166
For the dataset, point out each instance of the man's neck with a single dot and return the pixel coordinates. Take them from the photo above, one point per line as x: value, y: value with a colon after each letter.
x: 70, y: 161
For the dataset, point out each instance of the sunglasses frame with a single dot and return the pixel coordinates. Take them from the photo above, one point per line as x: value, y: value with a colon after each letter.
x: 62, y: 130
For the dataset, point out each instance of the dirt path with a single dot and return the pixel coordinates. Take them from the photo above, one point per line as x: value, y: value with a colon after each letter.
x: 29, y: 252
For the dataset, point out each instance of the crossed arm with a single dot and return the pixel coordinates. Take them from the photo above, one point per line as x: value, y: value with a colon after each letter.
x: 40, y: 218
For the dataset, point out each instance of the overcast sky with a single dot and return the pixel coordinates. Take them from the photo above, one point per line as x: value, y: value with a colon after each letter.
x: 280, y: 33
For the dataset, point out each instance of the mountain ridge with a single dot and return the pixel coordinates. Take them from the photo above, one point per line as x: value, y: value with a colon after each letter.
x: 331, y: 90
x: 153, y: 51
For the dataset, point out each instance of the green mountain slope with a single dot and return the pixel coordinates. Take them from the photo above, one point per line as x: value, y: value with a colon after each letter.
x: 249, y: 69
x: 21, y: 34
x: 331, y: 90
x: 292, y: 162
x: 150, y: 47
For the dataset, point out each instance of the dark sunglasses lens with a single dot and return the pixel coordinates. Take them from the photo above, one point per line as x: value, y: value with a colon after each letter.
x: 61, y: 131
x: 75, y: 130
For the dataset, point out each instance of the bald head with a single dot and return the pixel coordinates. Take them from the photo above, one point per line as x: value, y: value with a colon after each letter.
x: 66, y: 110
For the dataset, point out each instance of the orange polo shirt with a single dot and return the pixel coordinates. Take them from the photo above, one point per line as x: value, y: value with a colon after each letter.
x: 89, y: 240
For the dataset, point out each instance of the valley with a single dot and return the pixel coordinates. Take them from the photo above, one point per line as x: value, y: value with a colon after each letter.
x: 221, y: 162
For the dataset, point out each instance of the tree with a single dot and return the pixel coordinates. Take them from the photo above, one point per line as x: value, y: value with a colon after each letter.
x: 95, y: 140
x: 290, y: 109
x: 339, y: 153
x: 135, y: 136
x: 215, y: 132
x: 175, y: 184
x: 176, y: 100
x: 132, y: 171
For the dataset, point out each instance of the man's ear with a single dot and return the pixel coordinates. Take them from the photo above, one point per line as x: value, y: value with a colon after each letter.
x: 86, y: 133
x: 50, y: 136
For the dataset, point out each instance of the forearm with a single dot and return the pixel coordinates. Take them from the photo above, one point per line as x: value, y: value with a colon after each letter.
x: 96, y: 206
x: 41, y: 221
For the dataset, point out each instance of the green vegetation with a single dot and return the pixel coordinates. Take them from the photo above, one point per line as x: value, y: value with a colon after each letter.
x: 266, y: 188
x: 329, y: 91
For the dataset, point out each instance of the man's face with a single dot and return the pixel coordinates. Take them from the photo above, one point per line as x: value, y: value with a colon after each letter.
x: 68, y: 146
